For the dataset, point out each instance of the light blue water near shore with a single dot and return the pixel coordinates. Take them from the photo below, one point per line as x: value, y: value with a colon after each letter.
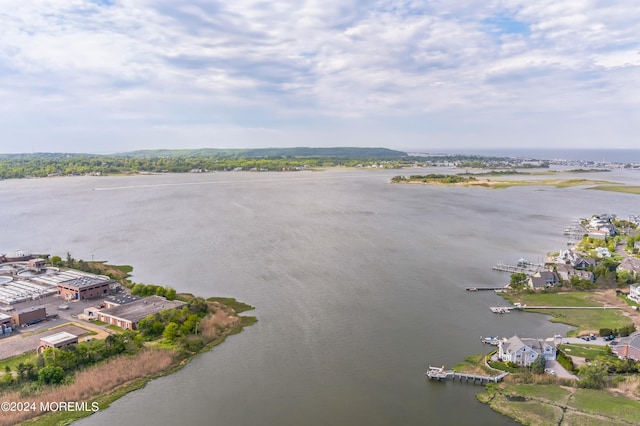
x: 358, y: 283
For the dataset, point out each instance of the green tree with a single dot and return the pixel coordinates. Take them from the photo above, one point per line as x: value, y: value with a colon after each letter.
x: 150, y: 327
x: 170, y: 293
x: 171, y: 332
x: 517, y: 279
x: 592, y: 375
x: 51, y: 375
x: 625, y: 277
x: 538, y: 365
x: 56, y: 260
x: 7, y: 379
x: 137, y: 289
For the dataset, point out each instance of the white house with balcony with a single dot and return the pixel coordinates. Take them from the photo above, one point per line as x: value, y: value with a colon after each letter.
x: 524, y: 352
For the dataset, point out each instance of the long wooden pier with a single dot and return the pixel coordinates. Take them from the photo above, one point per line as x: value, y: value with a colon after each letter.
x: 504, y: 288
x: 481, y: 379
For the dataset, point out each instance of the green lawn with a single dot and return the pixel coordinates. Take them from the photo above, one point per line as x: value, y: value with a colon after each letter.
x: 552, y: 392
x: 542, y: 404
x: 587, y: 319
x: 604, y: 403
x: 584, y: 320
x: 584, y: 351
x: 13, y: 362
x: 577, y: 298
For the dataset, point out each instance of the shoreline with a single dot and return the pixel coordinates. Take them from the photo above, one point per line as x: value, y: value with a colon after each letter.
x: 104, y: 400
x: 92, y: 386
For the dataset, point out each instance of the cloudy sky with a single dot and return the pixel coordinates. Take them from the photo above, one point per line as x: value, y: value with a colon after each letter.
x: 106, y: 76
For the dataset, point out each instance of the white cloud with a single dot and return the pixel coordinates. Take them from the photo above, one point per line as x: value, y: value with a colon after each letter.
x: 190, y: 65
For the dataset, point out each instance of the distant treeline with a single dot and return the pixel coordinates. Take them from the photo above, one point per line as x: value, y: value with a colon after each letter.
x: 181, y: 161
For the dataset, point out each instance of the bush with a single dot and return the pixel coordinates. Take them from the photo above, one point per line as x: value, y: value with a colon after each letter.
x: 565, y: 361
x: 51, y: 375
x: 605, y: 332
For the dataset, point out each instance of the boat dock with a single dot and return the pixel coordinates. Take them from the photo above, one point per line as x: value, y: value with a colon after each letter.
x: 507, y: 309
x: 524, y: 268
x: 439, y: 373
x: 505, y: 288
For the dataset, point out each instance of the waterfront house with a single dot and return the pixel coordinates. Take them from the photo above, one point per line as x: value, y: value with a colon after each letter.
x: 634, y: 293
x: 596, y: 222
x: 628, y: 347
x: 583, y: 263
x: 631, y: 265
x: 566, y: 272
x: 609, y: 228
x: 567, y: 256
x: 598, y: 234
x: 543, y: 279
x: 524, y: 351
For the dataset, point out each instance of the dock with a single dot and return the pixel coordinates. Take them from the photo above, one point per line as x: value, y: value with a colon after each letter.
x: 526, y: 268
x: 505, y: 288
x: 507, y: 309
x: 439, y: 373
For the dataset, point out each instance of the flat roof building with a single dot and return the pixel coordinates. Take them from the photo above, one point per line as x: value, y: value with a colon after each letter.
x: 119, y: 300
x: 57, y: 340
x: 83, y: 288
x: 128, y: 315
x: 30, y: 315
x: 5, y: 321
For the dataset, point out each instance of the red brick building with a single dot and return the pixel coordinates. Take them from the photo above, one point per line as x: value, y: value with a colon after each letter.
x: 30, y: 315
x: 84, y: 288
x: 128, y: 315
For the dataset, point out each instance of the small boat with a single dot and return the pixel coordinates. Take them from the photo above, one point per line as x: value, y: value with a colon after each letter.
x: 491, y: 340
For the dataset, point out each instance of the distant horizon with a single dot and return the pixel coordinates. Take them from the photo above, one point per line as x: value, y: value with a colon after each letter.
x: 593, y: 154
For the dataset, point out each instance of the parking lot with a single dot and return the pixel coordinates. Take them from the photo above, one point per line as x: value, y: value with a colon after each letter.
x: 25, y: 339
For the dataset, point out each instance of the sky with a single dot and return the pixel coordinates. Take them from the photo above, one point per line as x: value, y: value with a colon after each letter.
x: 106, y: 76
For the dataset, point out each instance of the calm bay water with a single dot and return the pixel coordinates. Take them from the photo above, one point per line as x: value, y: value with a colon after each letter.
x: 358, y: 284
